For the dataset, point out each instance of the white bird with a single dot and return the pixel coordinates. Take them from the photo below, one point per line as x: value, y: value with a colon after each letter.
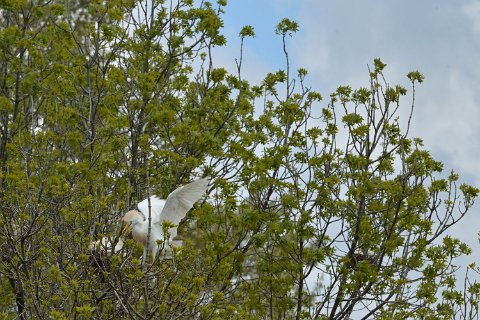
x: 105, y: 245
x: 172, y: 210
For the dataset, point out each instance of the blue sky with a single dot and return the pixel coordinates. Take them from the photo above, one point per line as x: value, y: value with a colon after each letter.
x: 338, y: 39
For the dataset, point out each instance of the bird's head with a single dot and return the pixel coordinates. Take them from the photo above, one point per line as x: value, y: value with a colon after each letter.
x: 130, y: 219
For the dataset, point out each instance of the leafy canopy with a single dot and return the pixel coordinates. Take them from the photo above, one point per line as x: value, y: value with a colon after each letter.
x: 318, y: 209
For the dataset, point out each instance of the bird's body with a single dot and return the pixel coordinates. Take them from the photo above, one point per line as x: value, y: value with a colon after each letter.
x: 105, y: 244
x: 157, y: 211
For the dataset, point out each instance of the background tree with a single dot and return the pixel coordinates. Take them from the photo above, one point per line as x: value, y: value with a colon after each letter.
x: 317, y: 210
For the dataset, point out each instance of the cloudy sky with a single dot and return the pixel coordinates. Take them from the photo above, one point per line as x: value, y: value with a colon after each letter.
x: 338, y: 39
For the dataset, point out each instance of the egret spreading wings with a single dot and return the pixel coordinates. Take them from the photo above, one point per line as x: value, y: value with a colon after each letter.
x: 172, y: 210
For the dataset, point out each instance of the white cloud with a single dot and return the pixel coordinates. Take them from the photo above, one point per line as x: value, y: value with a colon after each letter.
x: 313, y: 50
x: 472, y: 11
x: 447, y: 119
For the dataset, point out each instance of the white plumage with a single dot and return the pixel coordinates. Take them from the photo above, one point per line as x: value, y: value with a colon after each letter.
x: 173, y: 210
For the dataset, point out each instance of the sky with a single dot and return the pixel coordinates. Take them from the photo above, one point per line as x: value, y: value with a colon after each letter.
x: 338, y: 39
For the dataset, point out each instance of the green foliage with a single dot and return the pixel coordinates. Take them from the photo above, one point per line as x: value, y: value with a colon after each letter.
x: 286, y: 26
x: 247, y: 31
x: 415, y: 76
x: 103, y: 103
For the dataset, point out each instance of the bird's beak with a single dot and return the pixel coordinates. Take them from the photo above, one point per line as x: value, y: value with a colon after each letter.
x: 127, y: 228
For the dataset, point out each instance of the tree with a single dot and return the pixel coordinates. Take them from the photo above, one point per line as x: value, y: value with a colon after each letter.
x: 317, y: 210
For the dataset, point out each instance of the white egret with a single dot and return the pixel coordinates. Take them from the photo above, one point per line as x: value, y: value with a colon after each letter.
x: 106, y: 245
x: 100, y: 253
x: 173, y: 210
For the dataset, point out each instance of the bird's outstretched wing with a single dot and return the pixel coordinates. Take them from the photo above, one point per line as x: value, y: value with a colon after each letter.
x: 182, y: 199
x: 156, y: 208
